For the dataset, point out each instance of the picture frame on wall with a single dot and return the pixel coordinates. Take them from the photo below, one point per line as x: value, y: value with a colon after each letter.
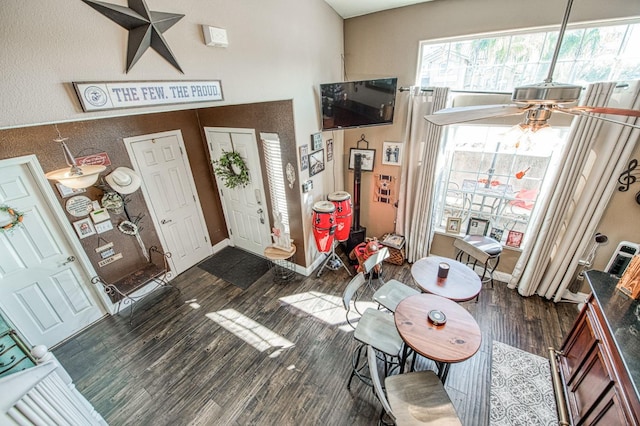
x: 329, y: 150
x: 316, y: 162
x: 392, y: 153
x: 316, y: 141
x: 514, y: 239
x: 453, y: 225
x: 84, y: 228
x: 368, y: 158
x: 477, y: 226
x: 66, y: 192
x: 496, y: 234
x: 304, y: 157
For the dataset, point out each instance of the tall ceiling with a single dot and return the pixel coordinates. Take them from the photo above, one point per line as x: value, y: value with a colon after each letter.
x: 351, y: 8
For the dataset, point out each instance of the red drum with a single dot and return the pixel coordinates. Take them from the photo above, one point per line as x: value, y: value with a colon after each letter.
x: 324, y: 225
x: 342, y: 201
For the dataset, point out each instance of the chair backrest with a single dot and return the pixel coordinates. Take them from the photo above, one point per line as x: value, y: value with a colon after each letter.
x: 377, y: 381
x: 351, y: 289
x: 471, y: 250
x: 349, y: 293
x: 375, y: 259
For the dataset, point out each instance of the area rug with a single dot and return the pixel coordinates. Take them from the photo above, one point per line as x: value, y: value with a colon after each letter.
x: 521, y: 388
x: 236, y: 266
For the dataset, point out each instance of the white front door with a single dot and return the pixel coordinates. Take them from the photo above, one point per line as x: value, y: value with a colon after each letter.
x: 44, y: 291
x: 170, y: 193
x: 245, y: 209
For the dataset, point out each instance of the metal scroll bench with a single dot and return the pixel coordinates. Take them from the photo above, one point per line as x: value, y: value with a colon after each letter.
x: 121, y: 291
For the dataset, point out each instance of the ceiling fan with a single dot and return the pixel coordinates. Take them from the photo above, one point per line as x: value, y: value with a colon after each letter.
x: 535, y: 101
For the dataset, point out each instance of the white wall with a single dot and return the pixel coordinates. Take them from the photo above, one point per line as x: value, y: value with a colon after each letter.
x: 277, y: 50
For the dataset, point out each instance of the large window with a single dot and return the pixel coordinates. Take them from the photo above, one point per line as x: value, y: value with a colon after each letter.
x: 500, y: 63
x: 489, y: 174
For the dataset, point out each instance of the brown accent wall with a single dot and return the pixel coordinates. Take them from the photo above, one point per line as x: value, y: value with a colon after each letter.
x: 93, y: 136
x: 267, y: 117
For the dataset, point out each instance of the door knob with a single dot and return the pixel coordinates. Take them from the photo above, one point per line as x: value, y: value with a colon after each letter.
x: 69, y: 260
x: 164, y: 221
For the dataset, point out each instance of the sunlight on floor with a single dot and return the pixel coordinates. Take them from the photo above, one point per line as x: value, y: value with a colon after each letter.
x: 255, y: 334
x: 325, y: 307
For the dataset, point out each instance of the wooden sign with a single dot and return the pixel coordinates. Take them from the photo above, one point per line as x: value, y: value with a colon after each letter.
x: 96, y: 96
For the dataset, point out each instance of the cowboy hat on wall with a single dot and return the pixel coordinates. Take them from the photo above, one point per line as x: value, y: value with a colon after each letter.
x: 123, y: 180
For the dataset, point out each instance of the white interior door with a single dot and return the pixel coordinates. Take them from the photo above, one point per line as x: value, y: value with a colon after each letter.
x: 44, y: 291
x: 245, y: 209
x: 170, y: 193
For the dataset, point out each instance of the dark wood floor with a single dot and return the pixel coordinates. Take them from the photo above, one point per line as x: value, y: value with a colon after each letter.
x: 177, y: 365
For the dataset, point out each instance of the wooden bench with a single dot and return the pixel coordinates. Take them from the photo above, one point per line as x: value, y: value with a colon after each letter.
x: 121, y: 291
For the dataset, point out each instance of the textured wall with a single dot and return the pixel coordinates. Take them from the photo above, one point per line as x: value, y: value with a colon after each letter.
x: 88, y: 137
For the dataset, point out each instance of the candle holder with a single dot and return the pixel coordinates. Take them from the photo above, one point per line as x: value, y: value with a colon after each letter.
x: 443, y: 270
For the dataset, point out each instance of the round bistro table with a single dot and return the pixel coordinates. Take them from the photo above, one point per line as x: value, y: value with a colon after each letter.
x: 461, y: 284
x: 456, y: 340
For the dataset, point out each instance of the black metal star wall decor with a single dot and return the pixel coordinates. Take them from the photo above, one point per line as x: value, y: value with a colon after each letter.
x: 145, y: 28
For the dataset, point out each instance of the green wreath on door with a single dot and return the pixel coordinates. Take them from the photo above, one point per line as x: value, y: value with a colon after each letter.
x: 232, y: 169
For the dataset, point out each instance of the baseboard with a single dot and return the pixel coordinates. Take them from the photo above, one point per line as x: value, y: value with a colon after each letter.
x: 222, y: 244
x: 569, y: 296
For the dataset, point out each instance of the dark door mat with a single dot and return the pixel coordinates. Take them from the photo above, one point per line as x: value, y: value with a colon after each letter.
x: 236, y: 266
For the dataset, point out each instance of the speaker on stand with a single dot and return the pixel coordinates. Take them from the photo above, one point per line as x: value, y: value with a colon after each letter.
x: 358, y: 233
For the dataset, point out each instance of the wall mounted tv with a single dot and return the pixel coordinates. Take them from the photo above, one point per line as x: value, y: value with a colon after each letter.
x: 358, y: 103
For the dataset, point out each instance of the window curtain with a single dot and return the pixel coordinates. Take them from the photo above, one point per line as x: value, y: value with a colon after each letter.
x: 418, y: 176
x: 595, y: 155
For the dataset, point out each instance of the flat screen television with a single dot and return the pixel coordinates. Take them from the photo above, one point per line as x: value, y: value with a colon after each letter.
x: 358, y: 103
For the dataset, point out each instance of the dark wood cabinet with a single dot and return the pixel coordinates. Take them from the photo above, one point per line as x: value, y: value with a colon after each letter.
x: 596, y: 385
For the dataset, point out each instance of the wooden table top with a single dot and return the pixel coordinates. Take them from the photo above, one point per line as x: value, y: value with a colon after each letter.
x: 275, y: 253
x: 461, y: 284
x: 456, y: 340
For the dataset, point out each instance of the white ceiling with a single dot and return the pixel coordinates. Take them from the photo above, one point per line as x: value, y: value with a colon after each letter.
x: 351, y: 8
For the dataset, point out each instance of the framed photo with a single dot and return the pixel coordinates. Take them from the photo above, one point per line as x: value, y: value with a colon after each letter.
x: 368, y: 158
x: 304, y: 157
x: 514, y: 239
x: 316, y: 141
x: 477, y: 226
x: 84, y: 228
x: 65, y: 191
x: 453, y: 225
x: 392, y: 153
x: 496, y: 234
x: 329, y: 150
x: 393, y: 240
x: 316, y: 162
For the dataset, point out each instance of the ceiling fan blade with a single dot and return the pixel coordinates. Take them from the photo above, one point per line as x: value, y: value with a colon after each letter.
x: 472, y: 113
x: 611, y: 111
x: 584, y: 111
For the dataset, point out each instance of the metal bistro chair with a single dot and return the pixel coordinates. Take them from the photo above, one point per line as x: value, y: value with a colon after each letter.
x: 479, y: 250
x: 392, y: 293
x: 417, y: 398
x: 374, y: 262
x: 375, y: 328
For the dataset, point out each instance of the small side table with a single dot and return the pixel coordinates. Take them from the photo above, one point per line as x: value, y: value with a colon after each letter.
x: 281, y: 262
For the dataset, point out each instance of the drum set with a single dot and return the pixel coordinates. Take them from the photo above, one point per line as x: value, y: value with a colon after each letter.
x: 332, y: 223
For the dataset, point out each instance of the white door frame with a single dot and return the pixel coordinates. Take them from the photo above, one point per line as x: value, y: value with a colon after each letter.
x: 31, y: 162
x: 128, y: 142
x: 259, y: 175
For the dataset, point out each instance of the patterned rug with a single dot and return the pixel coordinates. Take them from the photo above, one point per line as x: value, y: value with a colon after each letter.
x: 521, y: 388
